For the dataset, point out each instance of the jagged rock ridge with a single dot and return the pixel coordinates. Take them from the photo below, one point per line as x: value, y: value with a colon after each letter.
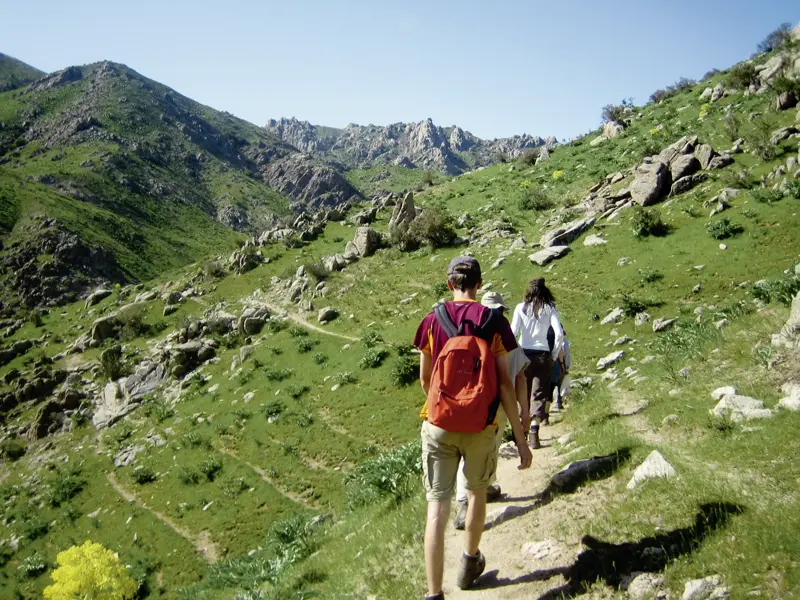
x: 422, y: 145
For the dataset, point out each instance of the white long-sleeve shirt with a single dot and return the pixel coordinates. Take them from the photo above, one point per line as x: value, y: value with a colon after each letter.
x: 532, y: 331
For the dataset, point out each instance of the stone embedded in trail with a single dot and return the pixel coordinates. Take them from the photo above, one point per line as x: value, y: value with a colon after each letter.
x: 545, y: 549
x: 740, y: 408
x: 614, y: 316
x: 721, y: 392
x: 708, y: 588
x: 655, y: 465
x: 547, y: 255
x: 644, y: 586
x: 662, y: 324
x: 609, y: 360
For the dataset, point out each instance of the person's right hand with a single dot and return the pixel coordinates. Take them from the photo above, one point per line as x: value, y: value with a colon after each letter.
x: 525, y: 456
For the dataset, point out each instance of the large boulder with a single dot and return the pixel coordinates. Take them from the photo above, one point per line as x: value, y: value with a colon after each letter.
x: 111, y: 406
x: 96, y: 296
x: 564, y: 234
x: 740, y: 408
x: 683, y: 165
x: 404, y: 212
x: 146, y: 380
x: 704, y: 153
x: 785, y: 101
x: 612, y: 129
x: 366, y: 241
x: 684, y: 184
x: 651, y: 182
x: 547, y: 255
x: 682, y: 147
x: 327, y: 314
x: 334, y: 262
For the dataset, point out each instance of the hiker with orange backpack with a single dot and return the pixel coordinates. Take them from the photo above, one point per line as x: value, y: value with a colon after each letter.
x: 517, y: 363
x: 464, y: 372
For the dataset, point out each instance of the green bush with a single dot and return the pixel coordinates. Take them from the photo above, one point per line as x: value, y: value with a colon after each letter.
x: 529, y: 156
x: 345, y: 378
x: 439, y: 289
x: 766, y: 195
x: 214, y: 269
x: 158, y: 410
x: 188, y: 476
x: 35, y: 527
x: 650, y: 275
x: 723, y: 228
x: 132, y: 323
x: 143, y: 474
x: 277, y: 374
x: 373, y: 358
x: 317, y: 272
x: 405, y: 370
x: 760, y: 139
x: 305, y: 345
x: 13, y: 448
x: 211, y: 467
x: 778, y: 290
x: 742, y: 76
x: 403, y: 348
x: 616, y: 112
x: 647, y: 222
x: 298, y: 331
x: 783, y: 84
x: 434, y: 227
x: 776, y: 38
x: 275, y: 325
x: 631, y: 305
x: 234, y: 486
x: 296, y: 390
x: 535, y: 199
x: 195, y: 440
x: 371, y: 338
x: 64, y: 486
x: 34, y: 565
x: 393, y: 474
x: 793, y: 188
x: 274, y: 408
x: 319, y: 358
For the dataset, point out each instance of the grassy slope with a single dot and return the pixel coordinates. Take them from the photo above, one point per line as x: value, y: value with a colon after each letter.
x: 394, y: 179
x: 319, y: 437
x: 15, y: 73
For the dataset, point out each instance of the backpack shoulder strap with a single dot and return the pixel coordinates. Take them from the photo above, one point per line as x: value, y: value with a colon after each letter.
x: 490, y: 325
x: 445, y: 322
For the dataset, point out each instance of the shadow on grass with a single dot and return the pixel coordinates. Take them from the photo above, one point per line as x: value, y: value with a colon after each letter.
x: 611, y: 563
x: 566, y: 481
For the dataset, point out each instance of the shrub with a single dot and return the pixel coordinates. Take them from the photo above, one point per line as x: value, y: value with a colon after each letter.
x: 195, y: 440
x: 793, y: 188
x: 274, y: 408
x: 434, y: 227
x: 760, y: 140
x: 132, y: 323
x: 371, y: 338
x: 742, y: 76
x: 647, y: 222
x: 214, y: 269
x: 683, y: 83
x: 501, y: 157
x: 439, y: 289
x: 158, y: 410
x: 298, y: 331
x: 776, y: 38
x: 344, y: 378
x: 393, y: 474
x: 690, y: 211
x: 710, y: 74
x: 275, y: 325
x: 317, y: 271
x: 631, y: 305
x: 188, y: 476
x: 243, y: 414
x: 277, y: 374
x: 535, y: 199
x: 33, y: 566
x: 143, y: 474
x: 529, y: 156
x: 779, y: 290
x: 13, y: 448
x: 658, y: 96
x: 305, y: 345
x: 90, y: 571
x: 35, y: 527
x: 650, y: 275
x: 766, y: 195
x: 616, y: 112
x: 373, y: 358
x: 731, y: 124
x: 749, y: 213
x: 319, y: 358
x: 233, y: 487
x: 723, y: 228
x: 296, y: 390
x: 403, y: 348
x: 783, y: 84
x: 405, y: 371
x: 211, y: 467
x: 64, y: 486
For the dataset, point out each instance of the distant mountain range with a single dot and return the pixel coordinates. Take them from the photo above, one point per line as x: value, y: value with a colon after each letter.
x: 422, y: 145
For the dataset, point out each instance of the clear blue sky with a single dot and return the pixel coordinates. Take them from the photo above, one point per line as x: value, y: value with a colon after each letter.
x: 495, y: 68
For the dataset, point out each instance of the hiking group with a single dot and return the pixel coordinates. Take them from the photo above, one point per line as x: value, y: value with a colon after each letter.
x: 478, y: 371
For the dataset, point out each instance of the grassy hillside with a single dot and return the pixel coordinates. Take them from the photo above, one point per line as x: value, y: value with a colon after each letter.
x: 15, y: 73
x: 281, y: 468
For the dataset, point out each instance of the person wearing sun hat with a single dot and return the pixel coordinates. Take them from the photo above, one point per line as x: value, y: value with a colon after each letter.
x: 517, y: 362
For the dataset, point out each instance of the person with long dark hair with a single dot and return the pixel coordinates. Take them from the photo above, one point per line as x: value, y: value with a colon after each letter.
x: 533, y: 319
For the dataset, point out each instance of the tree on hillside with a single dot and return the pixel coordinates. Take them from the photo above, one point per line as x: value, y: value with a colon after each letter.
x: 90, y: 571
x: 615, y: 112
x: 776, y: 38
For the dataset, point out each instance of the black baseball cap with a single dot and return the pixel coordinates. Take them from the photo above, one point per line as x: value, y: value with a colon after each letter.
x: 467, y: 263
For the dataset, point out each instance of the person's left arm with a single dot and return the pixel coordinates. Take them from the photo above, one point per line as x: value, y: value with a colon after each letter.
x: 425, y: 371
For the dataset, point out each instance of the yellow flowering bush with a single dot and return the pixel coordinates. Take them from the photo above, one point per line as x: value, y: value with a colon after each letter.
x: 90, y: 571
x: 558, y: 174
x: 704, y: 110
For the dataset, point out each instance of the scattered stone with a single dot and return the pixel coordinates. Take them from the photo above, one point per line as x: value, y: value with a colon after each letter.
x: 641, y: 318
x: 723, y: 246
x: 647, y: 359
x: 623, y: 261
x: 564, y: 234
x: 565, y: 439
x: 789, y: 335
x: 645, y: 585
x: 614, y: 316
x: 670, y: 420
x: 594, y: 240
x: 663, y: 324
x: 609, y: 360
x: 721, y: 323
x: 327, y: 314
x: 547, y: 255
x: 708, y: 588
x: 621, y: 341
x: 170, y: 309
x: 655, y: 465
x: 721, y: 392
x: 792, y: 399
x: 96, y: 296
x: 740, y: 408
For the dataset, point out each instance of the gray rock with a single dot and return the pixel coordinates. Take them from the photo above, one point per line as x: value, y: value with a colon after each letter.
x: 594, y: 240
x: 96, y: 296
x: 615, y: 316
x: 221, y: 322
x: 127, y: 455
x: 792, y: 399
x: 670, y: 420
x: 327, y: 314
x: 623, y: 261
x: 644, y: 586
x: 740, y: 408
x: 170, y: 309
x: 146, y: 380
x: 621, y: 341
x: 111, y: 406
x: 720, y: 162
x: 708, y: 588
x: 789, y: 335
x: 785, y: 101
x: 717, y: 92
x: 610, y: 359
x: 721, y: 392
x: 684, y: 184
x: 366, y: 241
x: 404, y: 212
x: 564, y: 234
x: 781, y: 134
x: 706, y: 94
x: 649, y: 186
x: 547, y: 255
x: 641, y: 318
x: 612, y: 129
x: 662, y: 324
x: 253, y: 325
x: 654, y: 466
x: 683, y: 165
x: 334, y: 262
x: 704, y: 153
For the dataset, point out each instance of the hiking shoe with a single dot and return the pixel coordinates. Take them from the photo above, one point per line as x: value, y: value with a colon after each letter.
x: 470, y: 569
x: 439, y: 596
x: 559, y: 406
x: 461, y: 516
x: 493, y: 493
x: 533, y: 438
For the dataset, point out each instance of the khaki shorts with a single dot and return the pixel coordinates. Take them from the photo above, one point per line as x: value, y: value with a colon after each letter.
x: 442, y: 452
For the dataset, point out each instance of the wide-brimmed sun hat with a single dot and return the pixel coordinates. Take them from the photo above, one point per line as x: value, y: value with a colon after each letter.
x: 492, y: 300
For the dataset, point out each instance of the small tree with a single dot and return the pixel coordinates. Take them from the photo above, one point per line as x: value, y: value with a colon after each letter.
x: 776, y: 39
x: 612, y: 112
x: 90, y: 571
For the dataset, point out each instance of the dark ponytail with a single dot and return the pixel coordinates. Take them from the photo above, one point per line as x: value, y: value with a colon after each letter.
x: 537, y: 297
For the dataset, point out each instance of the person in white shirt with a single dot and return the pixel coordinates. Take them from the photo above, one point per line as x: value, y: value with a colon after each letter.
x: 533, y: 319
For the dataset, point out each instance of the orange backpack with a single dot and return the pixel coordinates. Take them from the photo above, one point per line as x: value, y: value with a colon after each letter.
x: 463, y: 396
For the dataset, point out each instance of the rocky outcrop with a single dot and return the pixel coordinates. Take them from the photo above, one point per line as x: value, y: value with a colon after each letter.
x: 366, y: 241
x: 543, y: 257
x: 789, y: 335
x: 564, y: 234
x: 422, y: 145
x: 651, y: 183
x: 404, y: 212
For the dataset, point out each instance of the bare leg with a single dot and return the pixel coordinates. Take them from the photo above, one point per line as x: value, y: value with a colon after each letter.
x: 476, y: 519
x: 434, y: 543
